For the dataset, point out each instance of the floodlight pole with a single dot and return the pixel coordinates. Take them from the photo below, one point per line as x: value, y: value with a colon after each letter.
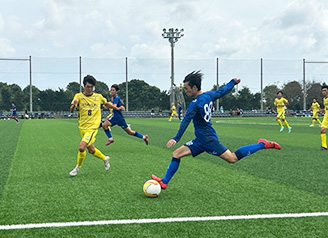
x: 173, y: 36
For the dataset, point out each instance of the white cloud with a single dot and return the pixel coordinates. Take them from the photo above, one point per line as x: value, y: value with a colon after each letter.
x: 6, y: 48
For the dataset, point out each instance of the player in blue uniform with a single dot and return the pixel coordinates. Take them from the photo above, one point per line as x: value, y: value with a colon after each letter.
x: 118, y: 119
x: 206, y: 138
x: 180, y: 110
x: 14, y: 113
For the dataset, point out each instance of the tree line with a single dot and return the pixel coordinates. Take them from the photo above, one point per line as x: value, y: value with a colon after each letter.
x: 144, y: 97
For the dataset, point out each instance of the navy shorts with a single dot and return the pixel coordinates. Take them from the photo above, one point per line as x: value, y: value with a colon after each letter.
x: 213, y: 147
x: 14, y: 113
x: 120, y: 121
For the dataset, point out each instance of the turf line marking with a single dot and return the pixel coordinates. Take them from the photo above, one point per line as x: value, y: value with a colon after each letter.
x: 161, y: 220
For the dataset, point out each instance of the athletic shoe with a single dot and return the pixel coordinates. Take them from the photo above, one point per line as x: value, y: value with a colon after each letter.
x: 323, y: 148
x: 75, y: 171
x: 290, y: 130
x: 146, y: 140
x: 282, y: 128
x: 270, y: 144
x: 110, y: 142
x: 311, y: 125
x: 106, y: 162
x: 163, y: 186
x: 18, y: 122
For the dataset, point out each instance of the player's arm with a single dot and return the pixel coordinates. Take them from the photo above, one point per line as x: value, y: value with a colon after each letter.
x: 114, y: 106
x: 73, y: 106
x: 311, y: 108
x: 184, y: 125
x: 225, y: 90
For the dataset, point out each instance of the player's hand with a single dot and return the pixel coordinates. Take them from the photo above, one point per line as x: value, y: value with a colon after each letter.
x: 75, y: 103
x: 122, y: 108
x: 237, y: 80
x: 171, y: 143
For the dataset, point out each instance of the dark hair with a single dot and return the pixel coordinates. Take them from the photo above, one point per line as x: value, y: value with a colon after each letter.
x: 116, y: 87
x: 280, y: 92
x: 194, y: 79
x: 315, y: 99
x: 89, y: 79
x: 324, y: 86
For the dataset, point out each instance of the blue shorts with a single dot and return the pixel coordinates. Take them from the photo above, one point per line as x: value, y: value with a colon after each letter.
x: 213, y: 147
x: 120, y: 121
x: 14, y: 113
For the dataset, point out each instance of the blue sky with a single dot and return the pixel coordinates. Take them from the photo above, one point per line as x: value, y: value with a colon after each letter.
x: 103, y: 33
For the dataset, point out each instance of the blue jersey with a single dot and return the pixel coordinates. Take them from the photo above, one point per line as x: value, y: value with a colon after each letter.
x: 14, y: 110
x: 179, y: 110
x: 117, y: 100
x: 200, y: 111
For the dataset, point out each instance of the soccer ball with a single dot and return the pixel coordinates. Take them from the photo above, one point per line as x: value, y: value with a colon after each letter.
x: 152, y: 188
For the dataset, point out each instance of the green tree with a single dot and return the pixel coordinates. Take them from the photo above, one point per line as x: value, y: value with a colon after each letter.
x: 293, y: 93
x: 269, y: 95
x: 74, y: 87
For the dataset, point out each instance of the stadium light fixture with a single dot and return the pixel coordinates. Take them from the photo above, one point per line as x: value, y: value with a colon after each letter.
x: 173, y: 35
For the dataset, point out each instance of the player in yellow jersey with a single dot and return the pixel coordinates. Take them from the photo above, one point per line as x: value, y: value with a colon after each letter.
x: 281, y: 103
x: 89, y: 105
x: 324, y: 124
x: 315, y: 107
x: 174, y: 112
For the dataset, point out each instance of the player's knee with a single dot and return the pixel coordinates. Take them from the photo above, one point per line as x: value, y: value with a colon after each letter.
x: 131, y: 133
x: 81, y: 149
x: 104, y: 126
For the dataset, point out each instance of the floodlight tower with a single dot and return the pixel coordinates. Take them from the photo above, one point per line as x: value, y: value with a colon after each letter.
x: 173, y: 35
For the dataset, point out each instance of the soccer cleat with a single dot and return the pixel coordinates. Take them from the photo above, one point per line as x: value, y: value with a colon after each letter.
x: 110, y: 142
x: 106, y: 162
x: 270, y: 144
x: 146, y: 140
x: 282, y: 128
x: 163, y: 186
x: 75, y: 171
x: 323, y: 148
x: 311, y: 125
x: 290, y: 130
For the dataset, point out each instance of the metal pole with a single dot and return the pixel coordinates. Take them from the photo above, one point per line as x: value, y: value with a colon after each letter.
x: 80, y: 65
x: 126, y: 85
x: 172, y: 73
x: 304, y: 87
x: 261, y: 84
x: 31, y: 101
x: 217, y: 83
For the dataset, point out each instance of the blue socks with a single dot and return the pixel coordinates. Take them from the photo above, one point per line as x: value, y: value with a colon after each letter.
x: 248, y: 150
x: 137, y: 134
x: 108, y: 134
x: 173, y: 168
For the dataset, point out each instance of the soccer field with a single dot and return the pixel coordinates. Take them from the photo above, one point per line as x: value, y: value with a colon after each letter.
x: 35, y: 187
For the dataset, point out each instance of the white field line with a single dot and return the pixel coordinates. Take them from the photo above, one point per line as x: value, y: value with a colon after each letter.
x: 162, y: 220
x: 239, y: 122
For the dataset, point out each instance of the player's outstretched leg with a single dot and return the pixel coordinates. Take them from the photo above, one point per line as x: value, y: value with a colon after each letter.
x: 251, y: 149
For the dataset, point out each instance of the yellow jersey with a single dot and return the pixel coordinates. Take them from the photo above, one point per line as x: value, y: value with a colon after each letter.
x: 315, y: 107
x: 280, y: 104
x: 325, y: 103
x: 173, y: 108
x: 89, y: 110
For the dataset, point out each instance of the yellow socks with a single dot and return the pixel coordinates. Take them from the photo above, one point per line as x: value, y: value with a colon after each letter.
x: 99, y: 155
x: 80, y: 158
x: 324, y: 140
x: 286, y: 123
x: 280, y: 123
x: 319, y: 121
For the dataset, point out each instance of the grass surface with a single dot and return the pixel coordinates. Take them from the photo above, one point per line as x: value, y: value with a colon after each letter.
x: 40, y: 153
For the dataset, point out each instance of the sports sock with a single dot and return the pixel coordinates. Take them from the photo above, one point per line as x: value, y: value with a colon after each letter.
x: 313, y: 122
x: 109, y: 135
x: 248, y: 150
x: 99, y: 155
x: 286, y: 123
x: 171, y: 118
x: 137, y: 134
x: 173, y: 168
x: 80, y: 158
x: 319, y: 121
x: 324, y: 140
x: 280, y: 123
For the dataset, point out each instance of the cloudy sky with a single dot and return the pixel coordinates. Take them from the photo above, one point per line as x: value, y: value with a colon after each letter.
x: 104, y: 32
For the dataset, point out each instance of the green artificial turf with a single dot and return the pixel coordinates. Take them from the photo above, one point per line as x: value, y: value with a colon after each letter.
x: 40, y: 190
